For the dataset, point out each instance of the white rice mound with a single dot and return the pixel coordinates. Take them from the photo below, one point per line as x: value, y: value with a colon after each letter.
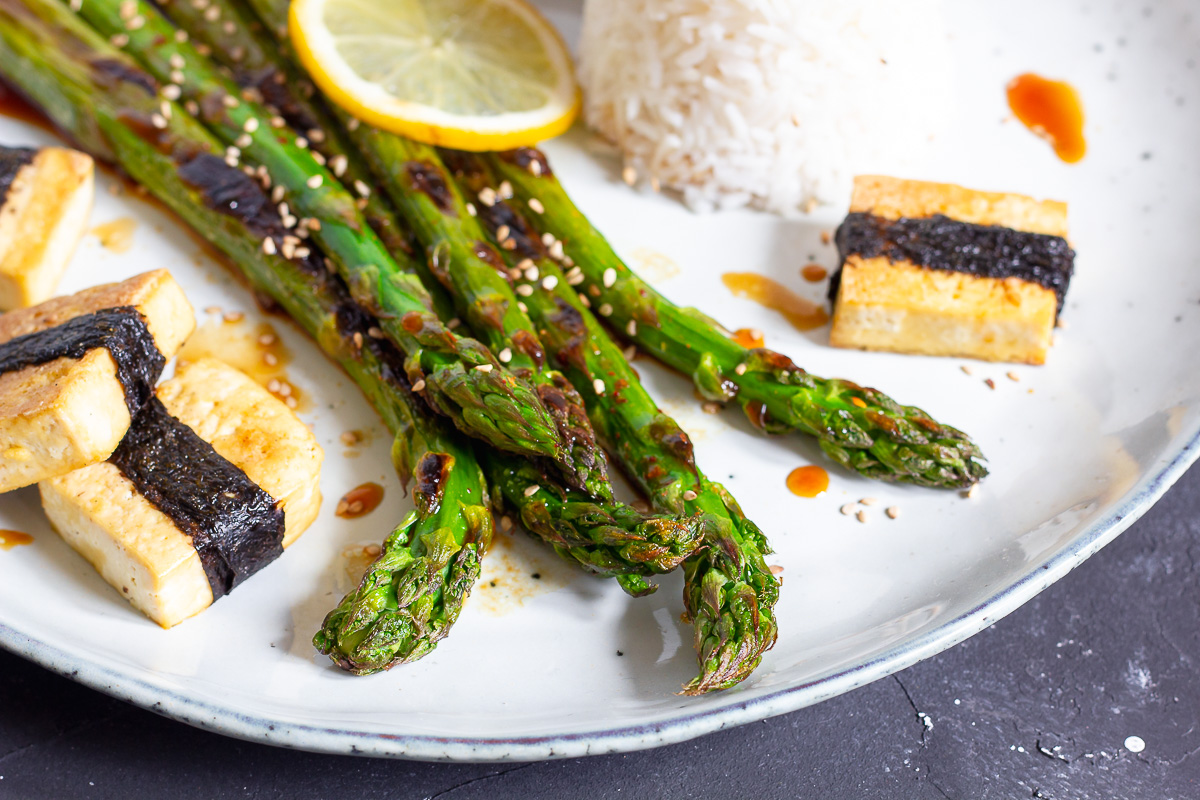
x: 775, y: 104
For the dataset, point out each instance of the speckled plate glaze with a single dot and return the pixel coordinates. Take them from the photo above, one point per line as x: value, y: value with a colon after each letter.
x: 564, y: 665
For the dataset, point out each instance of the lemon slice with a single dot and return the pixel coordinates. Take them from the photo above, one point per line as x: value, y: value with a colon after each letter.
x: 468, y: 74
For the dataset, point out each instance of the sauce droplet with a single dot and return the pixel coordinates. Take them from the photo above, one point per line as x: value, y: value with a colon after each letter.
x: 808, y: 481
x: 814, y: 273
x: 1052, y: 110
x: 11, y: 539
x: 360, y: 501
x: 750, y: 338
x: 804, y: 315
x: 14, y: 106
x: 116, y: 236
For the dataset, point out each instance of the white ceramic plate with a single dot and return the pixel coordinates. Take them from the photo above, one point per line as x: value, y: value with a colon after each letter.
x: 566, y: 665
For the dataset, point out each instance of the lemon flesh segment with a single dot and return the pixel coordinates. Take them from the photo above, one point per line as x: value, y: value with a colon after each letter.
x: 478, y: 74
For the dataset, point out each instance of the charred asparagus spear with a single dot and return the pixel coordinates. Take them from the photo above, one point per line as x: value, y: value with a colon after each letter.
x: 404, y: 604
x: 458, y: 376
x: 860, y: 428
x: 729, y: 591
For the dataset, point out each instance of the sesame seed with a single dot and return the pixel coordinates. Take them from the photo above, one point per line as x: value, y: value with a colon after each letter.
x: 339, y: 163
x: 973, y: 492
x: 1014, y: 377
x: 419, y: 386
x: 285, y: 389
x: 536, y: 206
x: 181, y: 36
x: 362, y: 189
x: 868, y: 501
x: 273, y: 387
x: 893, y: 512
x: 229, y: 101
x: 583, y: 298
x: 631, y: 328
x: 847, y: 509
x: 629, y: 175
x: 233, y: 316
x: 250, y: 125
x: 531, y: 273
x: 203, y: 49
x: 505, y: 355
x: 244, y: 140
x: 740, y: 369
x: 229, y: 27
x: 991, y: 384
x: 374, y: 332
x: 318, y: 157
x: 454, y: 323
x: 164, y: 108
x: 471, y: 209
x: 689, y: 495
x: 556, y: 251
x: 535, y: 166
x: 127, y: 9
x: 358, y: 340
x: 487, y: 196
x: 171, y: 91
x: 316, y: 135
x: 484, y: 368
x: 505, y: 190
x: 598, y: 385
x: 862, y: 516
x: 288, y: 249
x: 136, y: 24
x: 303, y: 252
x: 575, y: 276
x: 176, y: 61
x: 776, y: 569
x: 610, y: 277
x: 177, y: 76
x: 353, y: 124
x: 277, y: 121
x: 506, y: 523
x: 314, y: 182
x: 549, y: 282
x: 231, y: 161
x: 525, y: 310
x: 267, y: 339
x: 158, y: 121
x: 350, y: 438
x: 77, y: 5
x: 710, y: 407
x: 525, y: 290
x: 630, y: 352
x: 966, y: 370
x: 277, y: 193
x: 531, y: 490
x: 212, y: 13
x: 119, y: 39
x: 502, y: 232
x: 547, y: 238
x: 605, y: 310
x: 525, y: 263
x: 192, y: 107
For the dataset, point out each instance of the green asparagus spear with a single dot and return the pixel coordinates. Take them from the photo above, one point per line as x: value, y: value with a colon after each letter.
x: 862, y: 429
x: 412, y: 595
x: 729, y: 590
x: 458, y: 376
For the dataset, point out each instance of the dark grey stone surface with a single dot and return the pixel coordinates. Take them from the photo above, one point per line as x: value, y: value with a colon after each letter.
x: 1038, y: 706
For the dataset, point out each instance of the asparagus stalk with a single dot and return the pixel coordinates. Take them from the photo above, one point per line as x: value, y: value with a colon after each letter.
x: 860, y: 428
x: 457, y: 376
x: 729, y: 590
x: 235, y: 40
x: 414, y: 592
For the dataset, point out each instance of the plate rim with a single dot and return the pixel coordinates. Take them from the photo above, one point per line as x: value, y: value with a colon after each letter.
x: 677, y: 727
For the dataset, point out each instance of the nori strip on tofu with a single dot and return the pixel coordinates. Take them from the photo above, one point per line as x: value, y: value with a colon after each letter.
x: 235, y: 526
x: 938, y: 242
x: 122, y: 331
x: 12, y: 159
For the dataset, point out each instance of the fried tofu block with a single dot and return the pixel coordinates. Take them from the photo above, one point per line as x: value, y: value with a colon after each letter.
x: 883, y: 303
x: 141, y: 551
x: 69, y: 413
x: 45, y: 203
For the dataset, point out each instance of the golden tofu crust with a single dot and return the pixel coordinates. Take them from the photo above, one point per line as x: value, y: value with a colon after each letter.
x: 897, y: 198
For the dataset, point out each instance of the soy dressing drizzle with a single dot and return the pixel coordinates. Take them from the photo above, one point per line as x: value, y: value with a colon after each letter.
x: 808, y: 481
x: 1052, y: 110
x: 11, y: 539
x: 804, y: 315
